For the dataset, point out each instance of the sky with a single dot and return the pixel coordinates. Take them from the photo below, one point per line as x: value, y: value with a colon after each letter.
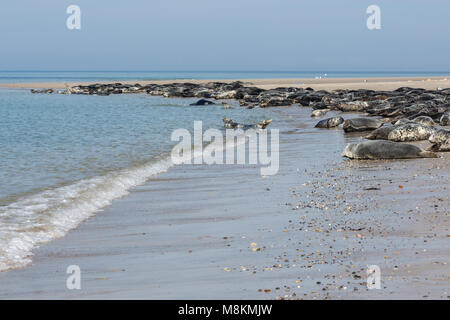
x: 231, y: 35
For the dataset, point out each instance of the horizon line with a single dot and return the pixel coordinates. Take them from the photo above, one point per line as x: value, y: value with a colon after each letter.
x: 242, y: 71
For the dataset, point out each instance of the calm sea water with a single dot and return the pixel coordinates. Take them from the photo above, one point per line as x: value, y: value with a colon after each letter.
x: 64, y: 157
x: 71, y: 76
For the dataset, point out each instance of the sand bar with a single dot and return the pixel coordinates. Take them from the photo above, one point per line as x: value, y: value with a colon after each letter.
x: 429, y: 83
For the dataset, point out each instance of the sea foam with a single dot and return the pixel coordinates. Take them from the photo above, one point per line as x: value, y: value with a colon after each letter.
x: 50, y: 214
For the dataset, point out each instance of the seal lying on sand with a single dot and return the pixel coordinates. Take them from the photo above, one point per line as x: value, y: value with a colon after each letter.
x: 230, y: 124
x: 361, y: 124
x: 381, y: 133
x: 373, y: 150
x: 439, y: 136
x: 319, y: 112
x: 402, y: 121
x: 426, y: 121
x: 442, y: 147
x: 440, y: 140
x: 411, y: 132
x: 445, y: 119
x: 330, y: 122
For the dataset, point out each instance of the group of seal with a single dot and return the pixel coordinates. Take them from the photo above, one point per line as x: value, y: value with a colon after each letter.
x: 405, y: 114
x: 230, y: 124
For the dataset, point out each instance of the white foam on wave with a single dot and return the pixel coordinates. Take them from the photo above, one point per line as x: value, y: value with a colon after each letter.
x: 42, y: 217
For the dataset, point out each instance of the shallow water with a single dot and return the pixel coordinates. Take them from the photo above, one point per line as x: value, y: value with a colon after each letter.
x: 65, y: 157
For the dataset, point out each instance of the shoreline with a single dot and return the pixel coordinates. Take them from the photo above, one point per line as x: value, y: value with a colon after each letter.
x: 328, y: 84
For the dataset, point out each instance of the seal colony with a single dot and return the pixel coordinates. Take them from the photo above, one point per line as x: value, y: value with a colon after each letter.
x: 403, y: 115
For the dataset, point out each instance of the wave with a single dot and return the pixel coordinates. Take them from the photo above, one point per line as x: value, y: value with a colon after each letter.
x: 50, y: 214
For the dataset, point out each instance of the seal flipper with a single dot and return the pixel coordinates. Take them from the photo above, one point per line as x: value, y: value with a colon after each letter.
x: 265, y: 123
x: 428, y: 154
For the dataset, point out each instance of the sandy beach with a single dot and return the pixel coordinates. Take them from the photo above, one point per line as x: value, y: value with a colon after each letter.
x: 225, y: 232
x: 317, y: 84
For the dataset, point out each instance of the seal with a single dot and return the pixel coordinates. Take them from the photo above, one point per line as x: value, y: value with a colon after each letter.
x: 440, y: 140
x: 361, y: 124
x: 403, y: 121
x: 48, y: 91
x: 330, y: 122
x: 411, y: 132
x: 426, y: 121
x: 319, y: 112
x: 441, y: 147
x: 352, y: 106
x: 230, y: 124
x: 202, y: 102
x: 445, y: 119
x: 381, y: 133
x: 375, y: 150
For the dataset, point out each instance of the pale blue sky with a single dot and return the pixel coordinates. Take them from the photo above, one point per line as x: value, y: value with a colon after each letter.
x: 291, y: 35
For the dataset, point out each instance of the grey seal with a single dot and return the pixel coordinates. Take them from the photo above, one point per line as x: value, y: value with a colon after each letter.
x: 411, y: 132
x: 330, y: 122
x: 319, y: 112
x: 373, y: 150
x: 426, y: 121
x: 403, y: 121
x: 230, y: 124
x: 440, y: 140
x: 441, y: 147
x: 202, y: 102
x: 439, y: 136
x: 381, y: 133
x: 445, y: 119
x: 352, y: 106
x: 361, y: 124
x: 42, y: 91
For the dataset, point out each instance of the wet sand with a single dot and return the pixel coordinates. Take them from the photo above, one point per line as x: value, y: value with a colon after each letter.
x: 194, y: 232
x: 430, y: 83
